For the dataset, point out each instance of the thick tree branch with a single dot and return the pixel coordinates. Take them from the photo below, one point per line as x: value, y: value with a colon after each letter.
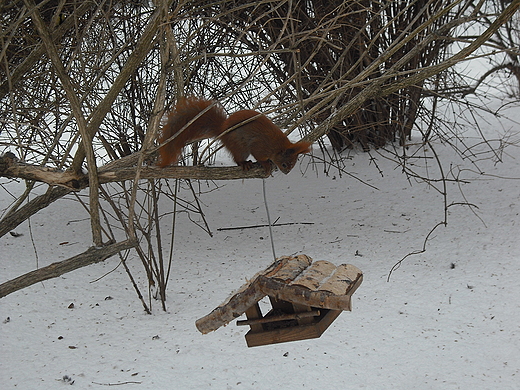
x: 12, y: 220
x: 10, y: 167
x: 119, y: 170
x: 90, y: 256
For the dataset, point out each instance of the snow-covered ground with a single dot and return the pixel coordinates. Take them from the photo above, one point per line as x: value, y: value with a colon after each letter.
x: 448, y: 318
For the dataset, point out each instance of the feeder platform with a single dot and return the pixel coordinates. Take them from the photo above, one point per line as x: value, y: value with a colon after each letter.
x: 306, y: 297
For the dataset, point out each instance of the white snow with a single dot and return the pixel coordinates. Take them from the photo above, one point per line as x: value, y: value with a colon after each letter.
x: 448, y: 318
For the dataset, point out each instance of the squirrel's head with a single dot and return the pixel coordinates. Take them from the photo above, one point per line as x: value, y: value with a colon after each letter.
x: 286, y: 159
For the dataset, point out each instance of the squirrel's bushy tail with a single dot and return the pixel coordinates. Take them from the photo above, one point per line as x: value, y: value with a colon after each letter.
x: 209, y: 124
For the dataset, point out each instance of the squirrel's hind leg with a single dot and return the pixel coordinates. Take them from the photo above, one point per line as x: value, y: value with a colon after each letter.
x: 246, y: 165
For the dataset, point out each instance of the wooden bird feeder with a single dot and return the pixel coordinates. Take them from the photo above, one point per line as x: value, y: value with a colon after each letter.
x: 306, y: 298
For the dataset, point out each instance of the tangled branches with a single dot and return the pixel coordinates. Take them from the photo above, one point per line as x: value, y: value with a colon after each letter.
x: 84, y: 84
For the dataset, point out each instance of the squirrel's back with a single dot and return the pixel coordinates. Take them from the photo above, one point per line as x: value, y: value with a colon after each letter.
x: 209, y: 123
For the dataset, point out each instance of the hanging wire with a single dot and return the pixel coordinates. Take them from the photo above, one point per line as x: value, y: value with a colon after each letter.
x: 268, y: 220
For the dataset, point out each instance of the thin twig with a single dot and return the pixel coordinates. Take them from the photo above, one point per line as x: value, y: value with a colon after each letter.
x: 265, y: 225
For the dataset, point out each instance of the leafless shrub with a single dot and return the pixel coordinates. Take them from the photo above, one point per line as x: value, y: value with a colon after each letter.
x: 84, y: 85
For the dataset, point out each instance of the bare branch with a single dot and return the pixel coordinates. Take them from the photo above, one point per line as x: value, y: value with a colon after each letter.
x: 90, y: 256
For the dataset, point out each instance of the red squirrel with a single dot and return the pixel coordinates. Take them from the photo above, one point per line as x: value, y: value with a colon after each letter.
x: 258, y: 136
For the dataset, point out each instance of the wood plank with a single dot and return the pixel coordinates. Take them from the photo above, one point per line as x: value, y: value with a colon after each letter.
x: 353, y: 287
x: 314, y: 275
x: 233, y: 308
x: 254, y: 314
x: 328, y: 319
x: 302, y: 332
x: 285, y: 268
x: 283, y: 317
x: 281, y: 305
x: 289, y: 268
x: 282, y: 335
x: 303, y: 296
x: 339, y: 282
x: 302, y: 309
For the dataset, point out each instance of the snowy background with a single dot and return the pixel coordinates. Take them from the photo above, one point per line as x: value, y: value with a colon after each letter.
x: 448, y: 318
